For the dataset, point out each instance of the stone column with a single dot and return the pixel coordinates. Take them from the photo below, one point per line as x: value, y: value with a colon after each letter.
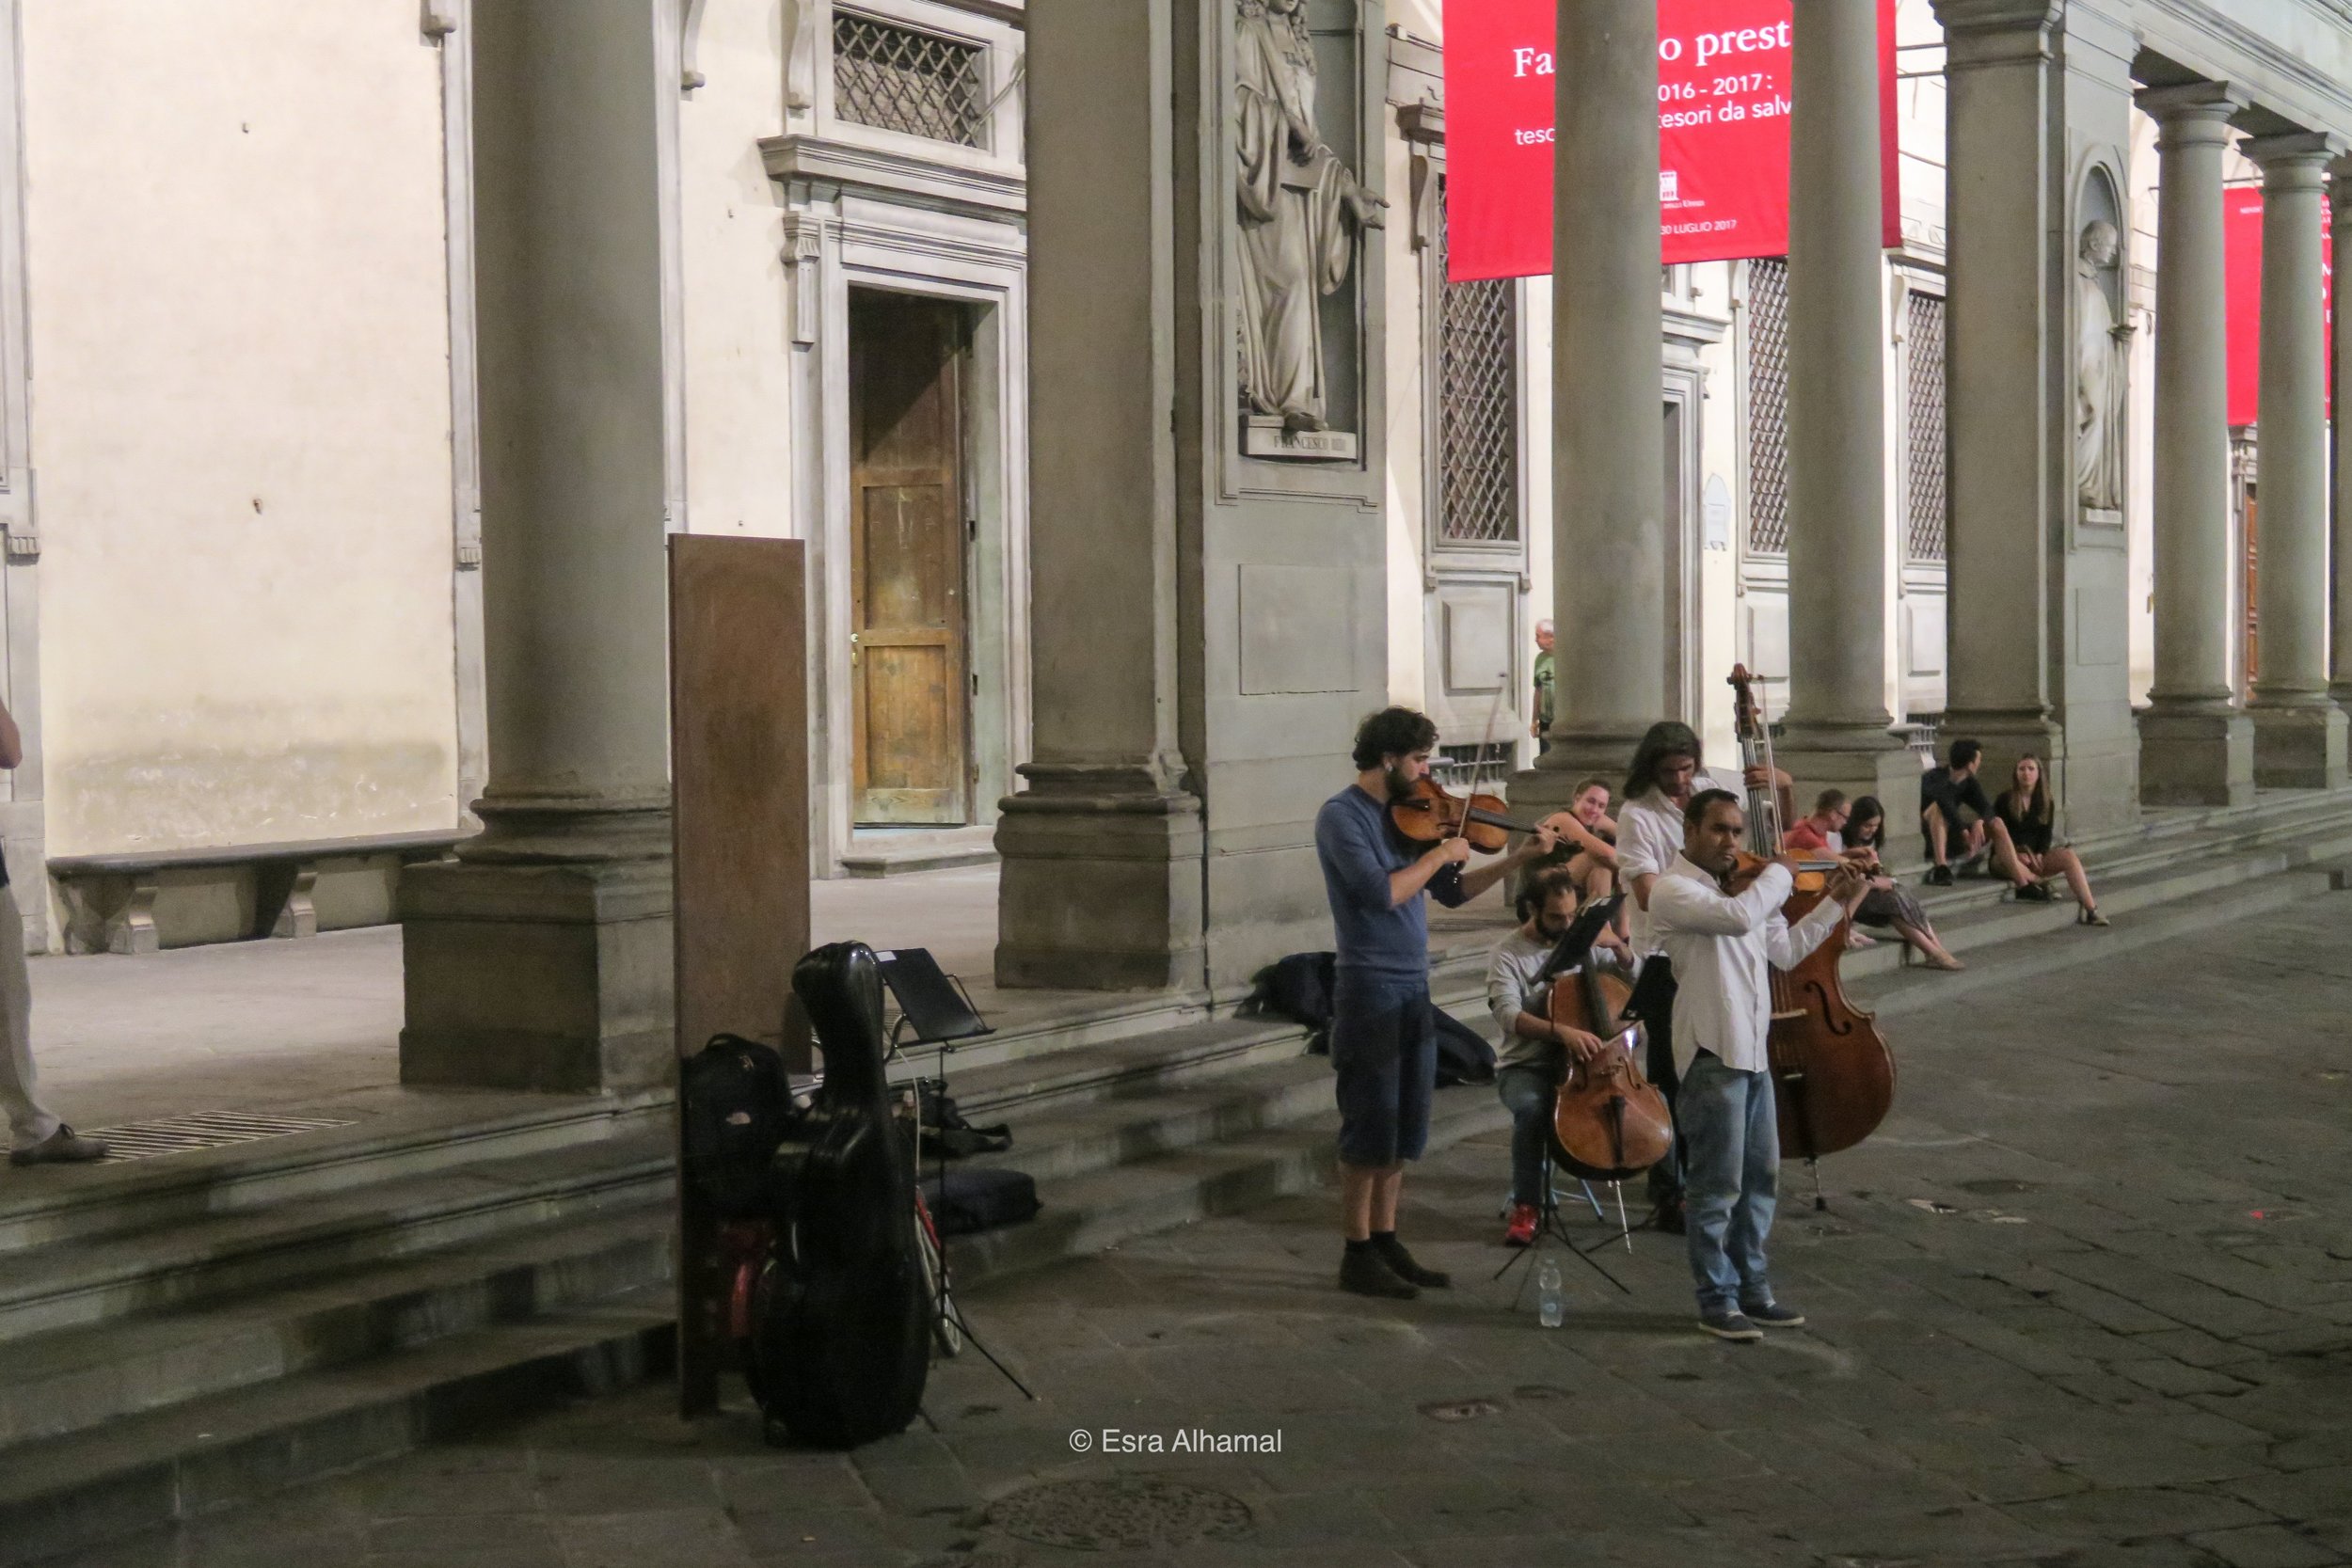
x: 2196, y: 746
x: 541, y: 956
x: 2340, y: 557
x: 1608, y: 379
x: 2299, y: 732
x: 2001, y: 83
x: 1839, y: 726
x: 1102, y: 880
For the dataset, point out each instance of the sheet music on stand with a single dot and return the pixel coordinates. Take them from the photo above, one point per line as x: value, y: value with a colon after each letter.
x: 1576, y: 942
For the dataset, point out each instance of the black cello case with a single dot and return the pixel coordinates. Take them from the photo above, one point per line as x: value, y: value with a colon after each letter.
x: 841, y: 1343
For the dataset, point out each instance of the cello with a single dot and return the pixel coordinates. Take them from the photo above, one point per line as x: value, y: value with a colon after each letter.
x: 1608, y: 1121
x: 1833, y: 1076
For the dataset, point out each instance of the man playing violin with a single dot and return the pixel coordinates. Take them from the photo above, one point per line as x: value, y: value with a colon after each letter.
x: 1384, y: 1049
x: 1664, y: 776
x: 1723, y: 946
x: 1534, y: 1049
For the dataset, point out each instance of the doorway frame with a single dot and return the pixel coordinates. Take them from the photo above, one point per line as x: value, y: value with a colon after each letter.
x: 839, y: 240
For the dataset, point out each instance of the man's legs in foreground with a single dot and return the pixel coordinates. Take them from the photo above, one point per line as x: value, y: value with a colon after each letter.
x: 1733, y: 1176
x: 34, y: 1136
x: 1384, y: 1051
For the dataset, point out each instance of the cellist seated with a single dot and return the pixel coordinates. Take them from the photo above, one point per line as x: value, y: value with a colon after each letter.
x: 1534, y: 1051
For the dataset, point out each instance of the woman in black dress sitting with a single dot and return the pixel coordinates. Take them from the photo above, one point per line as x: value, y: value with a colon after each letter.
x: 2024, y: 823
x: 1888, y: 904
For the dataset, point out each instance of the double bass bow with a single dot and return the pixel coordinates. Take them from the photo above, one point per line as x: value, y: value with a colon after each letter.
x: 1833, y: 1076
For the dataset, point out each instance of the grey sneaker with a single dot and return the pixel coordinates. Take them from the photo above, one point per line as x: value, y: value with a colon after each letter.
x: 64, y: 1146
x: 1771, y: 1314
x: 1726, y: 1322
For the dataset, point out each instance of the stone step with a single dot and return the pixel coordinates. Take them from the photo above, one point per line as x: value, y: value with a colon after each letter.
x: 143, y: 1472
x: 71, y: 1380
x: 1096, y: 1211
x: 399, y: 1133
x: 90, y: 1280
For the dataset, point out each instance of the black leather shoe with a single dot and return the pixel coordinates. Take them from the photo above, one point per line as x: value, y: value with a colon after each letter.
x: 1939, y: 876
x: 1666, y: 1219
x: 1367, y: 1274
x: 1392, y: 1253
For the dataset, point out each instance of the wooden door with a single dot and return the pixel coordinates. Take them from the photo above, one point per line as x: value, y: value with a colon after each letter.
x: 908, y: 527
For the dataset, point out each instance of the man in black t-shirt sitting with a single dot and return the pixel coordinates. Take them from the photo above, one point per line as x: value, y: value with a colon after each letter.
x: 1952, y: 809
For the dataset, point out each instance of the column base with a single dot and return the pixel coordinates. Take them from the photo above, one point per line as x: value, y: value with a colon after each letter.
x: 1100, y: 886
x: 1864, y: 762
x: 2299, y: 746
x: 2195, y: 757
x: 538, y: 976
x: 1550, y: 784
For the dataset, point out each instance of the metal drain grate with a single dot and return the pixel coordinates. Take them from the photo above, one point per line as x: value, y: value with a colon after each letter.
x: 145, y: 1140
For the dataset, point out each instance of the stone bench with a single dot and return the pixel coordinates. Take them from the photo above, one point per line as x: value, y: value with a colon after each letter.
x: 141, y: 901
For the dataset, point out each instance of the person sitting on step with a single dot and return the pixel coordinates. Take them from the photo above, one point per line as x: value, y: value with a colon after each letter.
x: 2023, y: 822
x: 1534, y: 1053
x: 1952, y: 811
x: 1889, y: 905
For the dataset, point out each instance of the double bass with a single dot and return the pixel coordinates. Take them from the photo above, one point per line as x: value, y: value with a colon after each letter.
x: 1833, y: 1076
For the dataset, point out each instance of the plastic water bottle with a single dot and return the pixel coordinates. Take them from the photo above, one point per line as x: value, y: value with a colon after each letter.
x: 1550, y: 1308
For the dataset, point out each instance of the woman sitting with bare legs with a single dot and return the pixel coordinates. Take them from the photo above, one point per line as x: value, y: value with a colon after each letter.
x: 1889, y: 904
x: 2024, y: 821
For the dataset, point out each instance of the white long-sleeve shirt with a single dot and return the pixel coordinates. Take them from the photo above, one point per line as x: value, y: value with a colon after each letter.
x: 1649, y: 839
x: 1724, y: 950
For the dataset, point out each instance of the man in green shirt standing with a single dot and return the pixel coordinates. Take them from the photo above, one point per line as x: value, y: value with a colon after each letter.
x: 1542, y: 726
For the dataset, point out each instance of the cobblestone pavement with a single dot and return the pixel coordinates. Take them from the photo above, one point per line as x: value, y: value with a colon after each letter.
x: 2083, y: 1302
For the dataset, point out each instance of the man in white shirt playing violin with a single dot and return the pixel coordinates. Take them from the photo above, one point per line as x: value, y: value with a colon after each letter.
x: 1723, y: 948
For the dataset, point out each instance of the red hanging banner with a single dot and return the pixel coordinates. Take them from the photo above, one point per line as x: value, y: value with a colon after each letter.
x: 2242, y: 291
x: 1723, y: 97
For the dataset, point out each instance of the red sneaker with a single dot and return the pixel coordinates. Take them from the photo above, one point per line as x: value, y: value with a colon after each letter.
x: 1521, y: 1230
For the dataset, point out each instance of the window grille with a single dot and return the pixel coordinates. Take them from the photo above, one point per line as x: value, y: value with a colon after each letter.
x: 1768, y: 407
x: 1928, y: 496
x: 1488, y: 766
x: 901, y: 79
x: 1478, y: 426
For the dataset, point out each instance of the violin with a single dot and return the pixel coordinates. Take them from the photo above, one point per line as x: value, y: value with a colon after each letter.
x: 1608, y: 1121
x: 1833, y: 1075
x: 1431, y: 815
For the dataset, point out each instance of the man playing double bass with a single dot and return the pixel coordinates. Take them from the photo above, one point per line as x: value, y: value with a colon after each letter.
x: 1384, y: 1051
x: 1723, y: 948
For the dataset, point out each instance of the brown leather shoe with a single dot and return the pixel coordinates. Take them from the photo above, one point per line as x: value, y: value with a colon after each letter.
x: 65, y: 1147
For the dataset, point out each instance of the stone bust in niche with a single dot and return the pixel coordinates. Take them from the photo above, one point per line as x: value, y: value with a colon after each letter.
x: 2103, y: 358
x: 1302, y: 215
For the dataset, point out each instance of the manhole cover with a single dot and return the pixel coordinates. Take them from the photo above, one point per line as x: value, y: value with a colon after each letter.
x: 1991, y: 1185
x: 1134, y: 1515
x: 1459, y: 1410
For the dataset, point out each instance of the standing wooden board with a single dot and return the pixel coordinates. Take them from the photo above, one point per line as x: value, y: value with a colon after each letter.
x: 739, y: 771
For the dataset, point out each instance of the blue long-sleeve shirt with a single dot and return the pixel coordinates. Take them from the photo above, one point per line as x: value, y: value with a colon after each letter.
x: 1359, y: 852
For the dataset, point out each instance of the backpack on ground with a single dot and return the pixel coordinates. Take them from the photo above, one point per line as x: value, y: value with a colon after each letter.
x: 1298, y: 987
x: 1464, y: 1056
x: 735, y: 1108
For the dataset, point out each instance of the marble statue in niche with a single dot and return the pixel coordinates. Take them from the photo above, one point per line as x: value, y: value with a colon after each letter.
x: 1302, y: 213
x: 2102, y: 360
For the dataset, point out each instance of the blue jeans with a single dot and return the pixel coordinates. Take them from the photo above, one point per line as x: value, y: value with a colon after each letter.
x: 1526, y: 1093
x: 1384, y: 1060
x: 1731, y: 1175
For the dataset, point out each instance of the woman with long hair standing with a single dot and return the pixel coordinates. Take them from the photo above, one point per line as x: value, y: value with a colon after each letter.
x: 2024, y: 823
x: 1888, y: 904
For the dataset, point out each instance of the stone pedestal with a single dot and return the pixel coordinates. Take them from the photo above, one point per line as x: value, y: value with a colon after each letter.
x: 2195, y: 757
x: 1608, y: 441
x: 1100, y: 886
x: 542, y: 957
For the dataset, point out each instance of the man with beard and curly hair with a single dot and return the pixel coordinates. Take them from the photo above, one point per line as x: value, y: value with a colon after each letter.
x: 1384, y: 1048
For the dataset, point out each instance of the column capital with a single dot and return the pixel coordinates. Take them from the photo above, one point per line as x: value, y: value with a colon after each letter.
x: 2194, y: 111
x: 1996, y: 32
x: 2295, y: 161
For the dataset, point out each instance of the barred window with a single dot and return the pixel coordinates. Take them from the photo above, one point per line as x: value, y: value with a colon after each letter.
x: 1926, y: 497
x: 898, y: 78
x: 1768, y: 407
x: 1478, y: 427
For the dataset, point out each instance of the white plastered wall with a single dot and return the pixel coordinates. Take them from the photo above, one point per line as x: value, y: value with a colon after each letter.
x: 240, y: 420
x: 1406, y: 519
x: 738, y: 429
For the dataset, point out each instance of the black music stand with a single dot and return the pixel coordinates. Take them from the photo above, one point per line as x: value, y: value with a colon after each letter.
x: 935, y: 1007
x: 1574, y: 948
